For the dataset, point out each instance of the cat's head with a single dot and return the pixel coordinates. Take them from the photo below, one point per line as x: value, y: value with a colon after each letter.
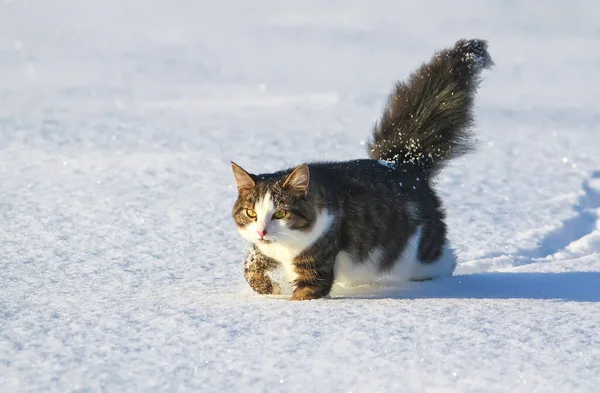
x: 275, y: 208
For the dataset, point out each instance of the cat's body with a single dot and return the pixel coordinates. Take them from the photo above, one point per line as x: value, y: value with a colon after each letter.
x: 359, y: 220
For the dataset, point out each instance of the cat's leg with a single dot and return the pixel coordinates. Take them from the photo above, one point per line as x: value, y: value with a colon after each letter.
x: 314, y: 276
x: 312, y: 284
x: 435, y: 258
x: 433, y: 238
x: 256, y: 268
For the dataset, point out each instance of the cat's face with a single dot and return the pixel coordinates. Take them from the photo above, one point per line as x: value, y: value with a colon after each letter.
x: 274, y: 210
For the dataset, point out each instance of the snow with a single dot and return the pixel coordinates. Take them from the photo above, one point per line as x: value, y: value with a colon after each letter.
x: 121, y: 267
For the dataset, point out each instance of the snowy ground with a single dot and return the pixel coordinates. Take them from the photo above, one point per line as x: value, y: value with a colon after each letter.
x: 120, y: 266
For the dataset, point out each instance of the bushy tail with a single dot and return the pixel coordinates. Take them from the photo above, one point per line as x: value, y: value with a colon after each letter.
x: 428, y: 118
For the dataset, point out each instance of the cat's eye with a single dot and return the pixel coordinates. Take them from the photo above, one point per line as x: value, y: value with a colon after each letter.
x: 279, y: 214
x: 250, y: 213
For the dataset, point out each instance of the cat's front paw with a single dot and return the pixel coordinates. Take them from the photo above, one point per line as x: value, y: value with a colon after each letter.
x: 276, y: 289
x: 305, y: 293
x: 262, y: 284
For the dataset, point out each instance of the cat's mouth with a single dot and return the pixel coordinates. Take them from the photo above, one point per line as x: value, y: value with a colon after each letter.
x: 264, y: 241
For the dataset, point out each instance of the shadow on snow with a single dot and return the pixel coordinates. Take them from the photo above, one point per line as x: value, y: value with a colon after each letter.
x: 567, y: 286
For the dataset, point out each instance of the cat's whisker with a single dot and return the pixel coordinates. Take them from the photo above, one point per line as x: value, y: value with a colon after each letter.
x: 288, y: 234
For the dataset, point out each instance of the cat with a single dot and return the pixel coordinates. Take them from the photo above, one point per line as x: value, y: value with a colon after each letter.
x: 363, y: 219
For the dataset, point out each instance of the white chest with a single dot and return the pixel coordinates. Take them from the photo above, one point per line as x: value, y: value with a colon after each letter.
x: 284, y: 255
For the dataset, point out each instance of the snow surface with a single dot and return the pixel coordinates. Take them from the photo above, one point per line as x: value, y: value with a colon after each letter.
x: 122, y: 269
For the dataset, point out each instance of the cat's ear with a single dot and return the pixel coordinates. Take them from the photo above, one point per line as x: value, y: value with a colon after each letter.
x: 243, y: 179
x: 298, y: 180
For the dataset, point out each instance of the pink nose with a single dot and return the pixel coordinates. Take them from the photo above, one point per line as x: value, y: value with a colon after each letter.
x: 261, y: 233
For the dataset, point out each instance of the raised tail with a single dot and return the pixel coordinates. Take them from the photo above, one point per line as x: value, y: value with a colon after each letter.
x: 428, y: 118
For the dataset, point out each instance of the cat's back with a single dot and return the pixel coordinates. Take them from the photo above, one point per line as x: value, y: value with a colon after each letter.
x: 366, y: 177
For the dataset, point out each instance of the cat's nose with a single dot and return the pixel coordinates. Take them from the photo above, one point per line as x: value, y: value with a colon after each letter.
x: 261, y: 232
